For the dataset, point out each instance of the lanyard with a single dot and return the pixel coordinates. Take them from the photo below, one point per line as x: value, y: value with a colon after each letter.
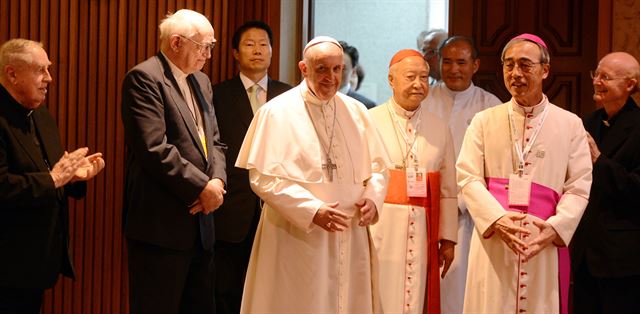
x: 410, y: 144
x: 522, y: 154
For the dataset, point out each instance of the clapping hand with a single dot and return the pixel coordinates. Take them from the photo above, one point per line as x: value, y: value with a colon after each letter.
x: 89, y: 167
x: 65, y: 169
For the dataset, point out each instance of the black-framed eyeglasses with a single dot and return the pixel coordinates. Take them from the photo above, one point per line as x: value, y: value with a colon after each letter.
x: 603, y: 77
x: 524, y: 65
x: 202, y: 47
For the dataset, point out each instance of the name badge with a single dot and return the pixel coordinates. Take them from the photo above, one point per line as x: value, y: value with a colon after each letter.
x: 519, y: 189
x: 416, y: 182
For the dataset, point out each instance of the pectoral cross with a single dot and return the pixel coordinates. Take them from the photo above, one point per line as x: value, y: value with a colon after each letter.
x: 329, y: 166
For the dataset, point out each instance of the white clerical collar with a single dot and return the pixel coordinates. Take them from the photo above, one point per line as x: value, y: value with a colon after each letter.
x: 247, y: 82
x: 463, y: 93
x: 345, y: 89
x: 175, y: 70
x: 309, y: 97
x: 401, y: 112
x: 534, y: 110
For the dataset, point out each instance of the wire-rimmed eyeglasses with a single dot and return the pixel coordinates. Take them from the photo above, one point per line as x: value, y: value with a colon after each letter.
x: 604, y: 77
x: 202, y: 47
x: 524, y: 65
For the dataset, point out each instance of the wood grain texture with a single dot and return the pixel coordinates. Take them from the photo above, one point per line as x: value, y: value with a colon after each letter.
x: 92, y: 44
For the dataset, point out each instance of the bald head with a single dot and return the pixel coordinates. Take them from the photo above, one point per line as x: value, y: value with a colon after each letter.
x: 429, y: 49
x: 615, y: 79
x: 625, y: 65
x: 321, y: 67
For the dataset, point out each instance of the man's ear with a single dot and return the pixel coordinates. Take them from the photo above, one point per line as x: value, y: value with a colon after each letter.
x: 545, y: 70
x: 303, y: 68
x: 476, y: 65
x: 631, y: 85
x: 174, y: 42
x: 10, y: 73
x: 236, y: 54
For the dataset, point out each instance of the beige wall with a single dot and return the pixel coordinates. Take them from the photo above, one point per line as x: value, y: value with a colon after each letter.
x: 626, y: 29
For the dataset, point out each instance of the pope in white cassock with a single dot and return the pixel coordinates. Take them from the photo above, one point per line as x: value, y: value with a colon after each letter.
x: 318, y: 163
x: 456, y: 100
x: 525, y: 172
x: 417, y: 229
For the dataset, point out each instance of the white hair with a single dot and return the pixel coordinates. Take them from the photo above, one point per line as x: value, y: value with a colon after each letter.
x: 16, y: 51
x: 186, y: 23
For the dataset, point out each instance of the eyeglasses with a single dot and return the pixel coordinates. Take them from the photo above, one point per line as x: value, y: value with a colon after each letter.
x: 430, y: 53
x: 202, y: 48
x: 603, y: 77
x: 524, y: 65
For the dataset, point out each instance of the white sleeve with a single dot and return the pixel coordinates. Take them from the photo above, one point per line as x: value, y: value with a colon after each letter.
x: 295, y: 203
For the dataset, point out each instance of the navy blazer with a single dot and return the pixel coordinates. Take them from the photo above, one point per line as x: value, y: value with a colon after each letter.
x: 33, y: 213
x: 166, y: 167
x: 233, y: 218
x: 608, y: 236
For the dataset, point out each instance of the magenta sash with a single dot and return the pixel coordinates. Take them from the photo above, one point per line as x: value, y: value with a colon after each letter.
x: 542, y: 204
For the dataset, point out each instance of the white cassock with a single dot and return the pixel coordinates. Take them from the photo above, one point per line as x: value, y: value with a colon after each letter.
x: 400, y: 236
x: 457, y: 109
x: 296, y: 266
x: 498, y: 281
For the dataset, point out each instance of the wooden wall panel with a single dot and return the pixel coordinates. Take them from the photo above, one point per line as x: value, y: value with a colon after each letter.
x: 92, y: 44
x: 567, y: 26
x: 626, y: 29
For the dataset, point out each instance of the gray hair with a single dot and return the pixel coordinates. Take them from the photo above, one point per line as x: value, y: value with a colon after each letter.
x: 544, y: 53
x: 424, y: 34
x: 184, y: 22
x: 16, y: 51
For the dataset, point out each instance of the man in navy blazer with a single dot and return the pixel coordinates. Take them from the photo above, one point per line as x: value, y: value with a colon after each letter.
x: 605, y: 250
x: 175, y: 171
x: 351, y: 58
x: 238, y: 217
x: 36, y: 177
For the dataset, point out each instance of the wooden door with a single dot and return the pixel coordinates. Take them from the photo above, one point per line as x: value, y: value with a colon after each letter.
x: 569, y: 27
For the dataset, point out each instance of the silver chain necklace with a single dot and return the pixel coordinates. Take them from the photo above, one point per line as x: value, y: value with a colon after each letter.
x: 329, y: 166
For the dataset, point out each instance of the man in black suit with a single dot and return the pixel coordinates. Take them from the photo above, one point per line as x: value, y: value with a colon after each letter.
x: 174, y: 171
x: 351, y: 58
x: 605, y: 251
x: 36, y: 177
x: 235, y: 101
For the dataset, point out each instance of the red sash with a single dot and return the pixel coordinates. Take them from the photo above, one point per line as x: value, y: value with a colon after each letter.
x: 397, y: 194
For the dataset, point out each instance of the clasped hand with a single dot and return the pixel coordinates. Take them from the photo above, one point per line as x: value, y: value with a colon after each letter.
x: 76, y: 166
x: 329, y: 218
x: 210, y: 198
x: 508, y: 231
